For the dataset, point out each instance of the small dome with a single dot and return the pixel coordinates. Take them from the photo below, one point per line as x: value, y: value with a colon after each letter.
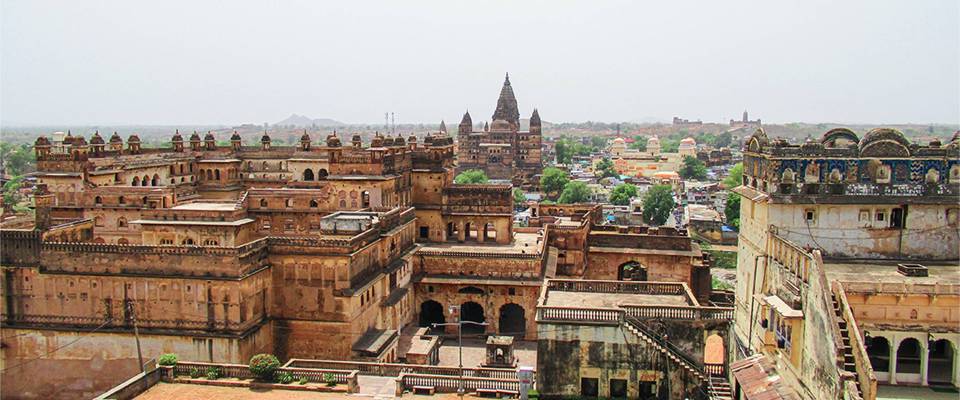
x: 399, y: 141
x: 377, y: 141
x: 96, y: 139
x: 42, y: 141
x: 305, y: 137
x: 177, y: 137
x: 236, y: 137
x: 79, y: 141
x: 133, y: 139
x: 387, y: 141
x: 333, y: 140
x: 357, y: 138
x: 884, y: 142
x: 412, y: 138
x: 209, y: 137
x: 653, y: 139
x: 265, y: 138
x: 115, y: 138
x: 619, y: 141
x: 195, y: 137
x: 689, y: 141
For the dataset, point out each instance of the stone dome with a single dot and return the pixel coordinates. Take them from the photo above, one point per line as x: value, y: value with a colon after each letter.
x: 195, y: 137
x: 501, y: 125
x: 884, y: 142
x: 115, y: 138
x: 209, y: 137
x: 42, y: 141
x: 96, y: 139
x: 265, y: 138
x: 133, y: 139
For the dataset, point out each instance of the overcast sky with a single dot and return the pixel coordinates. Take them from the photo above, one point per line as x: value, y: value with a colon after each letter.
x: 205, y: 62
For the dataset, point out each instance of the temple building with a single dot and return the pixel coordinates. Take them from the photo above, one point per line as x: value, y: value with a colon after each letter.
x: 847, y: 278
x: 501, y: 148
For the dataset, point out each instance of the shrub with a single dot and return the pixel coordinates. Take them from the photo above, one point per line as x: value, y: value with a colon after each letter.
x: 194, y: 372
x: 304, y: 380
x: 329, y: 379
x: 168, y: 359
x: 284, y: 378
x: 214, y: 373
x: 264, y: 366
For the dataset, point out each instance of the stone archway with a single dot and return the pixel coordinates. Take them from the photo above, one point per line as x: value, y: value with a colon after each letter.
x: 308, y: 174
x: 471, y: 311
x: 940, y: 362
x: 431, y: 312
x: 631, y: 271
x: 878, y: 350
x: 513, y: 321
x: 908, y: 358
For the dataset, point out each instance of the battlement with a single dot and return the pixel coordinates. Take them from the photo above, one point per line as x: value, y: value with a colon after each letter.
x: 841, y: 167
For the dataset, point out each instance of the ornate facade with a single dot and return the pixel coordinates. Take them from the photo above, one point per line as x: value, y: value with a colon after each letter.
x: 501, y: 149
x: 847, y: 263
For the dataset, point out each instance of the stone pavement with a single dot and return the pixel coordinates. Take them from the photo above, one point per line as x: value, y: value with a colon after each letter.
x: 475, y: 352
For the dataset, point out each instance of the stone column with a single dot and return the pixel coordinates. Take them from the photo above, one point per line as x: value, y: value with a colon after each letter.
x: 460, y: 232
x: 893, y: 360
x: 924, y: 359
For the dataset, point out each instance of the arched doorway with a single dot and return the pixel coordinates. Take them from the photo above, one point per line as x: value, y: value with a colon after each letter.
x: 308, y: 174
x: 632, y: 271
x: 322, y: 174
x: 940, y: 363
x: 878, y: 350
x: 431, y: 312
x: 512, y: 320
x: 908, y: 360
x: 471, y: 311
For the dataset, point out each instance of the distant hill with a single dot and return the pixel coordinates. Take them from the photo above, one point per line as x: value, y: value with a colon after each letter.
x: 300, y: 120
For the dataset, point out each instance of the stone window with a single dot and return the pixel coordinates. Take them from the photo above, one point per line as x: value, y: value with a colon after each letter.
x: 810, y: 215
x: 511, y: 291
x: 881, y: 215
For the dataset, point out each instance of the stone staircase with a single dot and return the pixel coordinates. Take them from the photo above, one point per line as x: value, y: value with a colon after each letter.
x: 849, y: 364
x: 717, y: 386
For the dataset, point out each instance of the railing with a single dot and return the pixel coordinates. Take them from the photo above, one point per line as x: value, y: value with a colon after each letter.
x: 444, y: 383
x: 630, y: 287
x: 865, y: 373
x: 715, y: 369
x: 677, y: 352
x: 578, y: 314
x: 679, y: 312
x: 395, y: 369
x: 240, y: 371
x: 143, y: 323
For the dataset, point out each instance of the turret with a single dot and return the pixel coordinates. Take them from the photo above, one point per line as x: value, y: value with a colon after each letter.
x: 507, y: 106
x: 79, y: 148
x: 43, y: 202
x: 97, y: 144
x: 466, y: 124
x: 133, y: 144
x: 41, y: 146
x: 236, y: 141
x: 209, y: 141
x: 305, y: 141
x: 265, y: 141
x: 116, y: 143
x: 177, y: 141
x: 377, y: 140
x: 412, y: 142
x: 357, y: 141
x: 333, y: 140
x: 535, y: 125
x: 443, y: 127
x: 195, y: 141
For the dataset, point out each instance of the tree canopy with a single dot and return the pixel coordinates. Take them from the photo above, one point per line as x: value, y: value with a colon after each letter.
x: 693, y: 168
x: 471, y: 176
x: 575, y: 192
x: 658, y: 204
x: 622, y: 194
x: 732, y: 210
x: 553, y: 181
x: 518, y: 197
x: 567, y: 148
x: 734, y: 177
x: 605, y: 169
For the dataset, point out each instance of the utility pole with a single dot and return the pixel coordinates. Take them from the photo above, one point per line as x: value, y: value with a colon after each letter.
x: 136, y: 333
x: 459, y: 324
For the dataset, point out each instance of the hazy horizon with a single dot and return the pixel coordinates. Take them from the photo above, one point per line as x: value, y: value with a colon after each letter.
x: 185, y: 63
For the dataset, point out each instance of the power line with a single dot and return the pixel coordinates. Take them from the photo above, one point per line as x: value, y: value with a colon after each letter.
x: 56, y: 349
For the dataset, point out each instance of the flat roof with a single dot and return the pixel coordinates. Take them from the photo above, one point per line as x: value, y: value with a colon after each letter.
x: 523, y: 243
x: 242, y: 221
x: 885, y: 271
x: 200, y: 206
x: 558, y: 298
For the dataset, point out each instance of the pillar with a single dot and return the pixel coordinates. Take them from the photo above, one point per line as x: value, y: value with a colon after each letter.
x: 460, y: 231
x: 894, y: 345
x: 924, y: 359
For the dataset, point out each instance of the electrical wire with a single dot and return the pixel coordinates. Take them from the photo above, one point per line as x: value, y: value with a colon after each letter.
x: 84, y: 336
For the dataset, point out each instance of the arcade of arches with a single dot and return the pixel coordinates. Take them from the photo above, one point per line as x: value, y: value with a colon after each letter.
x: 502, y: 315
x: 914, y: 358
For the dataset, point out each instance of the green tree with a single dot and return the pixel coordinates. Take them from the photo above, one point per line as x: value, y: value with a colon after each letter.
x: 553, y: 181
x: 639, y: 143
x: 734, y: 177
x: 724, y: 140
x: 562, y: 148
x: 575, y: 192
x: 669, y: 145
x: 598, y: 142
x: 518, y: 197
x: 471, y: 176
x: 605, y: 169
x: 622, y: 194
x: 658, y: 204
x: 693, y: 168
x: 11, y: 191
x: 732, y: 210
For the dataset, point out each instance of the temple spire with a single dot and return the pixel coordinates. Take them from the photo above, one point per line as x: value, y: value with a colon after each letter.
x: 507, y: 104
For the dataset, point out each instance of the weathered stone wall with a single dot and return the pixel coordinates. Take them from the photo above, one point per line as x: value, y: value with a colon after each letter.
x: 494, y: 297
